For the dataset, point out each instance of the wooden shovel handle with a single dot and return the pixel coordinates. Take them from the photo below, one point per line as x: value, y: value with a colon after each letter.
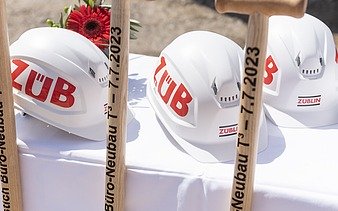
x: 9, y: 158
x: 250, y: 112
x: 117, y: 105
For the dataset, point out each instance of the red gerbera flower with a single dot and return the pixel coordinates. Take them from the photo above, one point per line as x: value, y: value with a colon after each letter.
x: 92, y: 23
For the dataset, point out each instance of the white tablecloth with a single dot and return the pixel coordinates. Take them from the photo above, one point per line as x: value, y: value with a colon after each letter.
x: 62, y: 172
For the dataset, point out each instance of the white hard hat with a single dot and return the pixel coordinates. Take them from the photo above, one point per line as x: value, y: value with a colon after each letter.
x: 195, y: 93
x: 60, y: 77
x: 300, y: 84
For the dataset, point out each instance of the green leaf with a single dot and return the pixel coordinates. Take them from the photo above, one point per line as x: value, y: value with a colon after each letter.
x: 70, y: 8
x: 49, y: 22
x: 62, y: 25
x: 85, y: 1
x: 132, y: 36
x: 66, y: 9
x: 134, y: 22
x: 133, y: 29
x: 91, y: 3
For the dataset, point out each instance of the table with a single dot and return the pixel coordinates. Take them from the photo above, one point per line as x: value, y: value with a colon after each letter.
x: 60, y: 171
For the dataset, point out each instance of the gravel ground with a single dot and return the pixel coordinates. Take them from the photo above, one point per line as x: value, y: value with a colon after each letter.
x: 162, y: 20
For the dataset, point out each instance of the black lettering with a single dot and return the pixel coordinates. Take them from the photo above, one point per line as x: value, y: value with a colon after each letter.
x: 2, y: 137
x: 240, y: 185
x: 4, y: 170
x: 245, y: 158
x: 237, y: 203
x: 116, y: 30
x: 110, y: 187
x: 5, y: 197
x: 111, y: 164
x: 108, y: 207
x: 5, y: 191
x: 110, y: 172
x: 239, y: 194
x: 112, y: 129
x: 3, y: 158
x: 112, y: 84
x: 4, y: 179
x: 242, y: 143
x: 240, y: 176
x: 112, y: 146
x: 242, y: 167
x: 112, y: 71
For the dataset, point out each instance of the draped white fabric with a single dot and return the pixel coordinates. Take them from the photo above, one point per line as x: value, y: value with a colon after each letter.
x: 298, y: 170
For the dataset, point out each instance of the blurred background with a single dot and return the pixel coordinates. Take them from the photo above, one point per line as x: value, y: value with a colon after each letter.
x: 162, y: 20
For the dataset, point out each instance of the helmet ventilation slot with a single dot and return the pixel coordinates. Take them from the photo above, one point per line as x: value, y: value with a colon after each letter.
x: 228, y: 99
x: 310, y: 72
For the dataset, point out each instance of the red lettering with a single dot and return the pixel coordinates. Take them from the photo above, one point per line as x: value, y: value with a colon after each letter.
x: 309, y: 101
x: 228, y: 131
x: 162, y: 64
x: 180, y: 101
x: 42, y: 96
x: 169, y: 90
x: 62, y: 93
x: 270, y: 69
x: 21, y: 66
x: 166, y: 87
x: 63, y: 89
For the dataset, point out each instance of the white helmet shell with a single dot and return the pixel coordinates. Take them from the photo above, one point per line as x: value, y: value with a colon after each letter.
x: 60, y: 77
x: 300, y: 84
x: 195, y: 93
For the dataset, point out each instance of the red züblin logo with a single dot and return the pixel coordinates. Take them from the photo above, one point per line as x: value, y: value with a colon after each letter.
x: 309, y: 100
x: 177, y: 96
x: 62, y: 92
x: 227, y: 130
